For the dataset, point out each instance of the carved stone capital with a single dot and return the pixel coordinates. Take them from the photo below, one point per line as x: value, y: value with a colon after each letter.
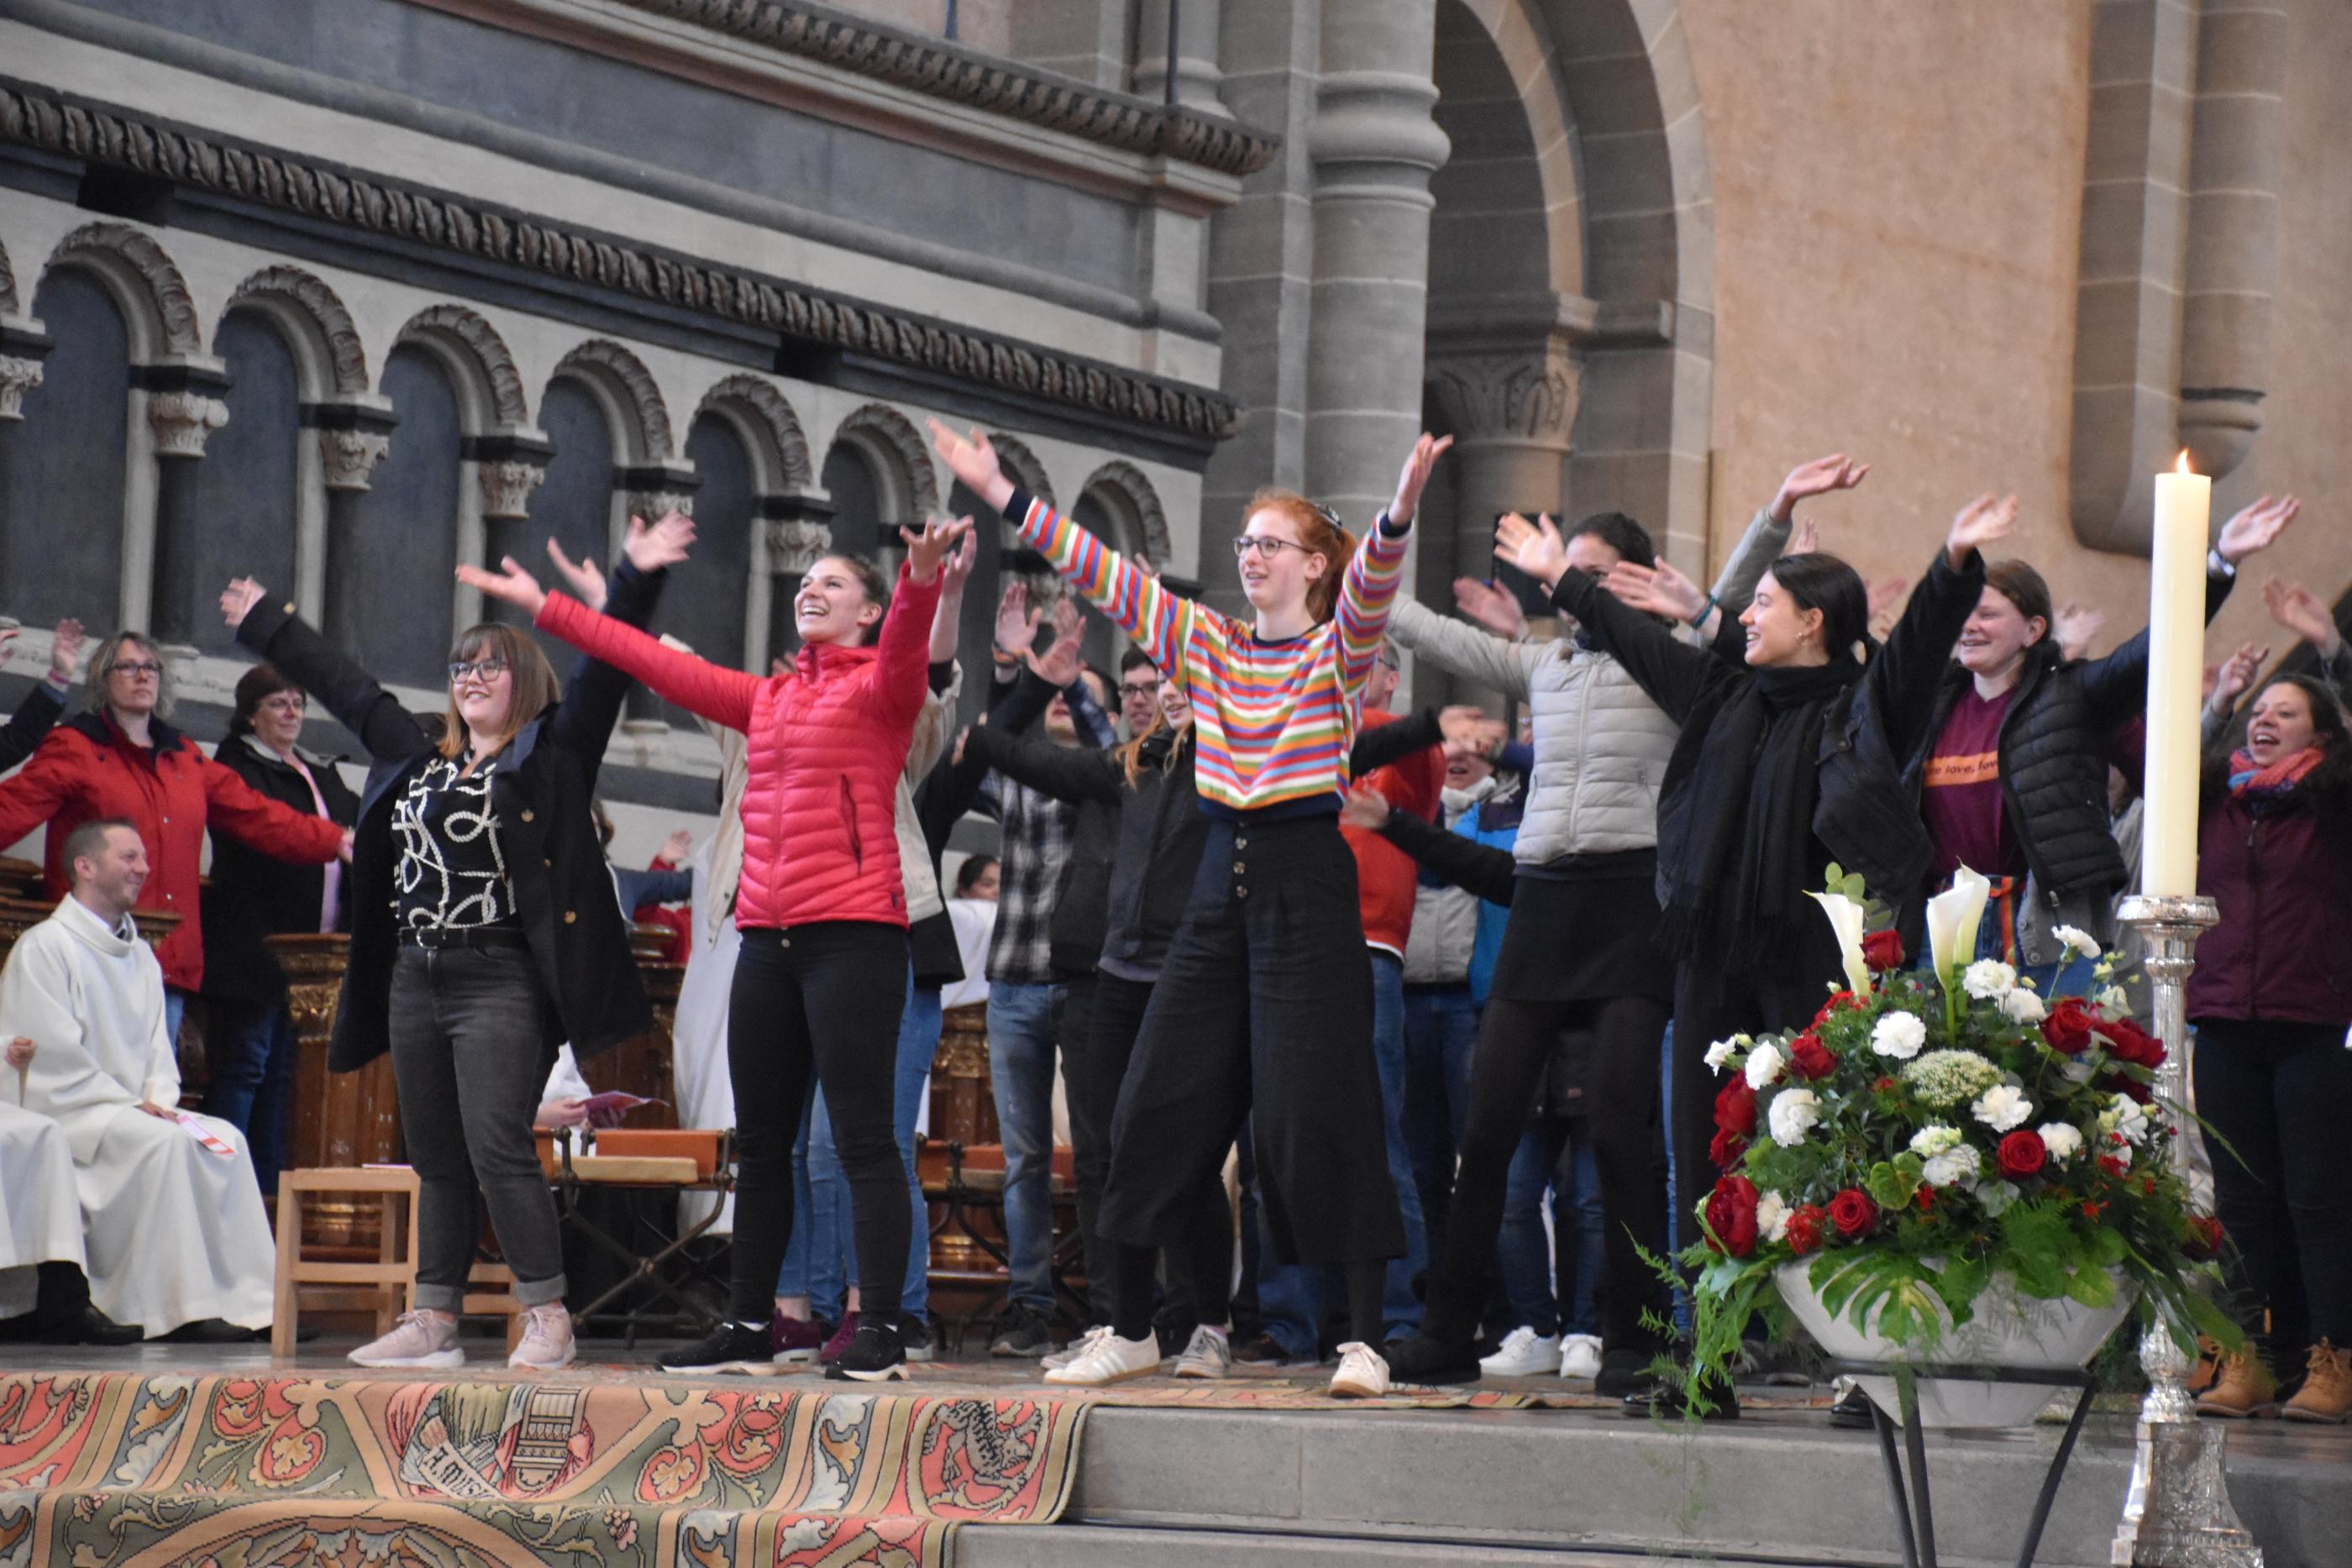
x: 652, y: 505
x: 184, y: 421
x: 18, y: 377
x: 507, y: 487
x: 350, y: 456
x: 796, y: 544
x: 1528, y: 397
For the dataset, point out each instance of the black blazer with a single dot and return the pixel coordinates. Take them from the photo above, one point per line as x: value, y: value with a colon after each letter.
x: 35, y: 717
x: 252, y: 895
x: 579, y: 941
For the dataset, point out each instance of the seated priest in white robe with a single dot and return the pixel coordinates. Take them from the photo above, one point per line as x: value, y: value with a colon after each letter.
x: 44, y: 1294
x: 175, y: 1235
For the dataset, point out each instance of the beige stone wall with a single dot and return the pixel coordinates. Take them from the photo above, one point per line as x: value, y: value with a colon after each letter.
x: 1897, y: 197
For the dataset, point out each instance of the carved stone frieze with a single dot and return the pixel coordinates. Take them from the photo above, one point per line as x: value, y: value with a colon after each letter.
x: 796, y: 544
x: 628, y: 374
x: 480, y: 340
x: 132, y: 250
x: 184, y: 421
x: 880, y: 423
x: 108, y: 137
x: 652, y: 505
x: 767, y: 405
x: 350, y: 456
x: 507, y: 487
x: 346, y: 354
x: 18, y: 377
x: 1129, y: 481
x: 1525, y: 397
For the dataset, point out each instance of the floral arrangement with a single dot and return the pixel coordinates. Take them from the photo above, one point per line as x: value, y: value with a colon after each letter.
x: 1926, y: 1133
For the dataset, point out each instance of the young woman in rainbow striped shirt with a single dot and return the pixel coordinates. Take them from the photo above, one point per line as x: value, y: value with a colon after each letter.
x: 1264, y: 1009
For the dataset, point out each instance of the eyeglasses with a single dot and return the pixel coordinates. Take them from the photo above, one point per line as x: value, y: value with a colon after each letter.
x: 1265, y: 545
x: 1131, y: 689
x: 136, y: 669
x: 488, y: 669
x: 285, y: 702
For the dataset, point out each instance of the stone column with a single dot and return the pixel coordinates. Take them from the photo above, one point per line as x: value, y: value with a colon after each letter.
x: 654, y: 491
x: 509, y: 468
x: 1373, y: 147
x: 182, y: 413
x: 23, y: 347
x: 1197, y: 75
x: 351, y: 441
x: 799, y: 532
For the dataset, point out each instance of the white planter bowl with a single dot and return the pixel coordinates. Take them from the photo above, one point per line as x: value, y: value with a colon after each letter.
x: 2008, y: 1331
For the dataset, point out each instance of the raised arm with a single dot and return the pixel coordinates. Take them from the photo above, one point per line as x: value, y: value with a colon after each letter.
x: 1378, y: 745
x: 36, y: 793
x: 1065, y: 772
x: 2115, y: 685
x: 1368, y: 588
x: 902, y: 669
x: 276, y: 830
x: 268, y: 626
x: 1461, y: 649
x: 1451, y: 857
x: 718, y: 694
x: 36, y: 714
x: 1910, y: 666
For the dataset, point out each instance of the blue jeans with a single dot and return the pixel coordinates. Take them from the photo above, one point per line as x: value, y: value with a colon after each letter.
x: 1677, y: 1223
x: 1023, y: 1021
x: 175, y: 1007
x: 1441, y: 1031
x: 251, y: 1051
x: 1581, y: 1230
x: 1291, y: 1298
x: 813, y: 1228
x: 919, y: 1041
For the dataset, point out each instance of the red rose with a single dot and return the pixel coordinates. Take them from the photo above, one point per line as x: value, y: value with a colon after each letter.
x: 2068, y: 1026
x: 2129, y: 1088
x: 1810, y: 1058
x: 1734, y: 1107
x: 2204, y: 1236
x: 2021, y: 1153
x: 1842, y: 1000
x: 1731, y: 1216
x: 1725, y: 1148
x: 1853, y: 1212
x: 2132, y: 1043
x: 1808, y: 1229
x: 1883, y: 951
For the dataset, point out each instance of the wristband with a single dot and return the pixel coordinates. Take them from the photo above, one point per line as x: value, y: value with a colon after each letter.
x: 1695, y: 621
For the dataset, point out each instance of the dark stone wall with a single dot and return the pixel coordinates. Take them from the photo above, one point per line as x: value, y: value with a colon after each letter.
x: 403, y: 543
x: 704, y: 604
x: 245, y: 483
x: 61, y: 498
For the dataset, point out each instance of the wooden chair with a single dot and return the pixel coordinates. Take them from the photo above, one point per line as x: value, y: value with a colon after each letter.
x: 387, y: 1286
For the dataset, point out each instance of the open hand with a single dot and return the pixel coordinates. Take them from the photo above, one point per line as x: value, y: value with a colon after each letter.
x: 1016, y: 621
x: 1365, y: 807
x: 161, y: 1113
x: 2076, y: 625
x: 1426, y: 451
x: 1495, y: 608
x: 1534, y: 548
x: 2235, y: 674
x: 677, y: 847
x: 928, y: 548
x: 584, y: 577
x: 65, y: 651
x: 1660, y: 590
x: 2303, y: 612
x: 1886, y: 597
x: 514, y: 584
x: 972, y: 460
x: 2256, y: 528
x: 1819, y: 477
x: 651, y: 547
x: 1979, y: 524
x: 18, y: 1053
x: 1057, y: 667
x: 237, y: 598
x: 956, y: 570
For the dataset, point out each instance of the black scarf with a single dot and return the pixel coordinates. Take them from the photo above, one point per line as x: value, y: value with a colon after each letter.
x: 1737, y: 889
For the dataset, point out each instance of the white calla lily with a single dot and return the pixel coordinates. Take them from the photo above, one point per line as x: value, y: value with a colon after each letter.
x: 1953, y: 918
x: 1846, y: 918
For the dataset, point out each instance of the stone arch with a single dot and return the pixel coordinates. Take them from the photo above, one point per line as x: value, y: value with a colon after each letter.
x: 1135, y: 496
x: 146, y: 283
x: 1023, y: 465
x: 465, y: 342
x: 771, y: 428
x: 626, y: 381
x: 900, y: 454
x: 311, y: 314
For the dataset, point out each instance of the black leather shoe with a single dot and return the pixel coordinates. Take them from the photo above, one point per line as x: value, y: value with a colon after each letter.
x: 1659, y: 1397
x: 1852, y: 1410
x: 1433, y: 1361
x: 1623, y: 1371
x: 89, y: 1326
x: 210, y: 1331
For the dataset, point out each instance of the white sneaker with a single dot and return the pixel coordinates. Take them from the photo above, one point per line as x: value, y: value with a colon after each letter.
x: 1525, y: 1354
x: 1110, y: 1359
x: 1363, y: 1374
x: 1580, y: 1355
x: 418, y: 1338
x: 1208, y: 1354
x: 1069, y: 1354
x: 546, y: 1341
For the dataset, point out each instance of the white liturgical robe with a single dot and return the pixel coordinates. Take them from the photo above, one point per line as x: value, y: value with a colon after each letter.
x: 40, y: 1215
x: 175, y: 1230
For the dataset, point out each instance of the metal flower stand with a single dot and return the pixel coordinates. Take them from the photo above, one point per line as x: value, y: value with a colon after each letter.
x: 1915, y: 1513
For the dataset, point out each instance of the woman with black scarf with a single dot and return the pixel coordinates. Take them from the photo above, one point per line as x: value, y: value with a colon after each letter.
x: 1788, y: 759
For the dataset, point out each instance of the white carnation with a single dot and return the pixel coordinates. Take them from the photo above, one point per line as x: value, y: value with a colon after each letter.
x: 1772, y: 1213
x: 2125, y: 1116
x: 2002, y: 1107
x: 2022, y: 1006
x: 1899, y: 1035
x: 1952, y: 1166
x: 2113, y: 998
x: 1934, y: 1139
x: 1989, y: 978
x: 1720, y: 1051
x: 2061, y: 1139
x: 1764, y: 1065
x: 2080, y: 940
x: 1794, y: 1111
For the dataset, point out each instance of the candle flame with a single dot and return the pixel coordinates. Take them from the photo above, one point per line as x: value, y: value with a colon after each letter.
x: 2182, y: 465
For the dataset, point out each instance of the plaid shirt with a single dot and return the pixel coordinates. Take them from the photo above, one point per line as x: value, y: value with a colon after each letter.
x: 1036, y: 829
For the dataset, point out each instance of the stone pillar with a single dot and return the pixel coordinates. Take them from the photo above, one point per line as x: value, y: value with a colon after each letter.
x: 351, y: 441
x: 799, y: 532
x: 657, y: 490
x: 23, y: 347
x: 1373, y: 147
x: 181, y: 413
x: 509, y: 468
x: 1197, y: 75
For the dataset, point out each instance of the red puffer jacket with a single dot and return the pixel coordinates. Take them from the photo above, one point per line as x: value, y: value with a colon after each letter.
x: 827, y: 741
x: 88, y: 769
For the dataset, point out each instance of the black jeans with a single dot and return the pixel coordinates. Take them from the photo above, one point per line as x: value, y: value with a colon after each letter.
x: 2276, y: 1093
x: 822, y: 999
x: 466, y: 1026
x: 1516, y: 1039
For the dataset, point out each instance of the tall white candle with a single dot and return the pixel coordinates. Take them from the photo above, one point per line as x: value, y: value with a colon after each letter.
x: 2176, y: 668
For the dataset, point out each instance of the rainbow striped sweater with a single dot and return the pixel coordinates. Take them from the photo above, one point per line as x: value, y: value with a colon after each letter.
x: 1273, y: 720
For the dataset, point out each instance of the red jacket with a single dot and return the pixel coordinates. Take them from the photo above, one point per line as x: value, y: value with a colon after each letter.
x: 88, y: 769
x: 1386, y: 875
x: 827, y: 741
x: 2283, y: 884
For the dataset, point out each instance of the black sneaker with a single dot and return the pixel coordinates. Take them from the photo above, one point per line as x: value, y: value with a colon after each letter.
x: 1021, y: 1332
x: 1853, y: 1410
x: 877, y: 1356
x: 730, y: 1347
x: 1623, y: 1372
x: 915, y: 1335
x: 1421, y: 1359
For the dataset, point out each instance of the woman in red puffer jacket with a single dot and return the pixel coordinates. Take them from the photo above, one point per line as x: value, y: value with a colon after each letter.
x: 822, y: 911
x: 2272, y: 998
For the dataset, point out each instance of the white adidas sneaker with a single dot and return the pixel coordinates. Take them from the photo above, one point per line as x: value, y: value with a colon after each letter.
x: 1208, y: 1354
x: 1525, y: 1354
x: 1363, y: 1373
x: 1580, y: 1355
x: 1109, y: 1359
x: 1069, y: 1354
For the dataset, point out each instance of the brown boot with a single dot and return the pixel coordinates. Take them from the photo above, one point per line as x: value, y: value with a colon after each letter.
x: 2327, y: 1391
x: 2242, y: 1387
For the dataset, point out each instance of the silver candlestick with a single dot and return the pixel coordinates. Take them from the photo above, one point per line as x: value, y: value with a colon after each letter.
x: 2176, y: 1513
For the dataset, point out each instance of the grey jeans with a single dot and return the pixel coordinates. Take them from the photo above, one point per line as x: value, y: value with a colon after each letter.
x: 465, y: 1032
